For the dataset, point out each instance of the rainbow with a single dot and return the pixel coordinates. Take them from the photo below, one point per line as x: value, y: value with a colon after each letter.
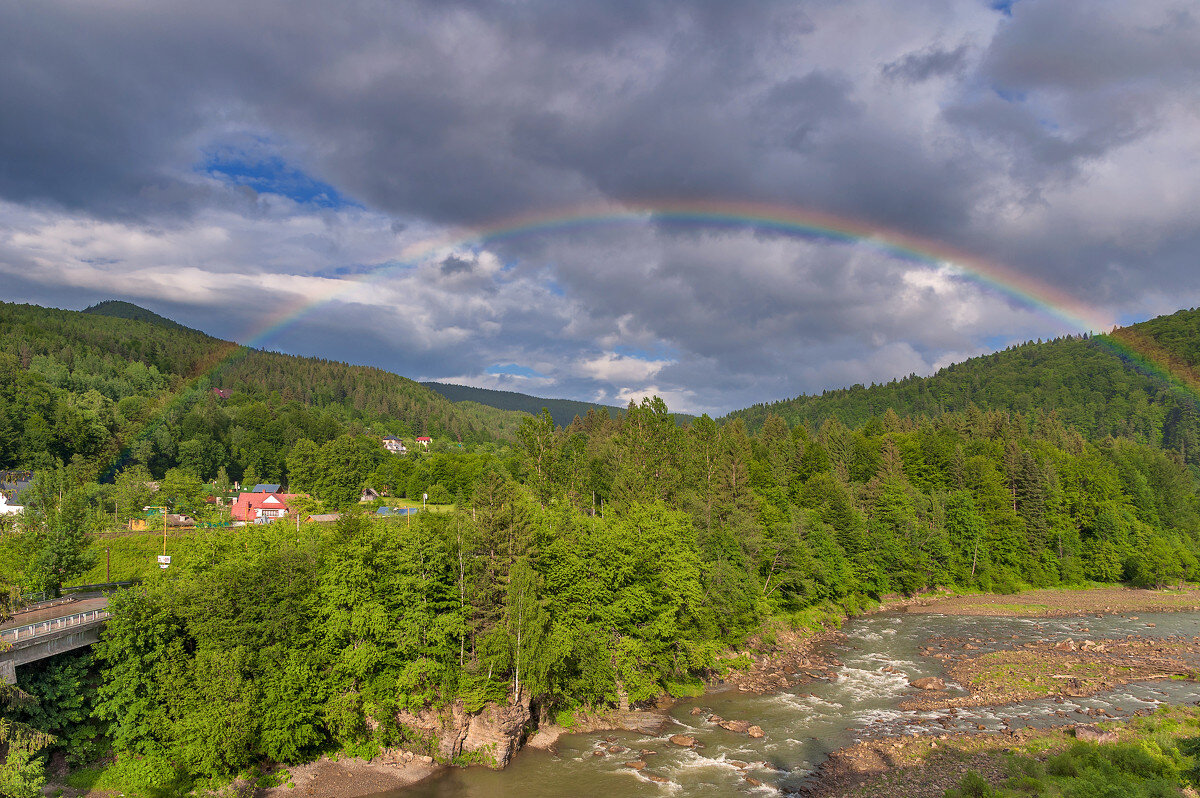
x: 782, y: 219
x: 1025, y: 290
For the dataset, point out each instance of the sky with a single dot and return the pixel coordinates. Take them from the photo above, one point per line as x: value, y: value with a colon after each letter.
x: 343, y: 180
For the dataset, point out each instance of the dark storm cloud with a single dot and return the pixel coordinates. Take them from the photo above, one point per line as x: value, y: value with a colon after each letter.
x: 928, y: 63
x: 453, y: 265
x: 163, y: 147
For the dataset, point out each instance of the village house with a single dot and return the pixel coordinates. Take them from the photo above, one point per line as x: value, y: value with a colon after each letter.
x: 424, y: 441
x: 262, y: 508
x: 157, y: 517
x: 8, y: 509
x: 394, y: 445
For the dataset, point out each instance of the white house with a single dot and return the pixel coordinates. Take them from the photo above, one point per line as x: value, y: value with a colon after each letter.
x: 8, y: 509
x: 394, y: 445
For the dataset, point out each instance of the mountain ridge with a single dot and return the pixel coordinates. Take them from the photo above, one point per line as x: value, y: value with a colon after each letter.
x: 1104, y: 385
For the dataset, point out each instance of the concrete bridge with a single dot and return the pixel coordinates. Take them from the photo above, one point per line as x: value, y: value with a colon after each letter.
x: 50, y: 628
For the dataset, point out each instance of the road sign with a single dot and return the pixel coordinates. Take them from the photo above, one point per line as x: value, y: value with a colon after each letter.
x: 164, y: 561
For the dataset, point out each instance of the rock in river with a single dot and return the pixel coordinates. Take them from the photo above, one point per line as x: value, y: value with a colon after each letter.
x: 682, y: 740
x: 928, y: 683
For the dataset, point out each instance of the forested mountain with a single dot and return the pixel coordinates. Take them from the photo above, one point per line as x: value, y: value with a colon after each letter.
x: 127, y: 310
x: 1091, y: 383
x: 107, y: 391
x: 563, y: 411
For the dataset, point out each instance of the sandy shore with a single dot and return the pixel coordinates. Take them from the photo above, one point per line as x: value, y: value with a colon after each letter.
x: 1058, y: 602
x: 351, y: 778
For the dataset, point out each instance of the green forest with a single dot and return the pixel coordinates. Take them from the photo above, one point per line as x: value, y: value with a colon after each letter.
x: 607, y: 561
x: 105, y: 392
x: 1091, y: 383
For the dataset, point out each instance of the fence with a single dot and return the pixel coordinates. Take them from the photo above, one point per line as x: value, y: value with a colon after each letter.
x: 104, y: 587
x: 55, y: 624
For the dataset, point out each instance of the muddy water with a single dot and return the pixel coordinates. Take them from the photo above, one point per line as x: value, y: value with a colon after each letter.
x: 804, y: 724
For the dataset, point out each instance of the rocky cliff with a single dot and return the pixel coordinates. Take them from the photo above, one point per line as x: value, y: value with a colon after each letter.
x: 489, y: 737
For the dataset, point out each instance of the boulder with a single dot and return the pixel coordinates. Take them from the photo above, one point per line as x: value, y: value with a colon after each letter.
x: 1095, y: 734
x: 637, y: 765
x: 736, y: 726
x: 755, y: 731
x: 682, y: 740
x: 928, y: 683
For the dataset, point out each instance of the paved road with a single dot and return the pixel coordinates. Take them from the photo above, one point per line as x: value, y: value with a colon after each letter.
x: 57, y: 611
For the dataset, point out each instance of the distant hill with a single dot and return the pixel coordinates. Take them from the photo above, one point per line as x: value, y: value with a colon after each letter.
x: 120, y: 381
x: 127, y: 310
x: 1089, y: 382
x: 563, y: 411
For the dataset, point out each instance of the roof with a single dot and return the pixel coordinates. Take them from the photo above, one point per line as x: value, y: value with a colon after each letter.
x: 324, y: 517
x: 424, y: 438
x: 266, y: 487
x: 390, y: 438
x: 13, y: 488
x: 247, y: 503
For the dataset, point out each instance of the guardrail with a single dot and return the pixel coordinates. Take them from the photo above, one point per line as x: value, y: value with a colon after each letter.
x: 102, y: 587
x: 53, y: 625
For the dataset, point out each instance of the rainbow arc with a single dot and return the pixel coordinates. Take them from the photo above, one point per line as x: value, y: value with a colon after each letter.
x: 782, y: 219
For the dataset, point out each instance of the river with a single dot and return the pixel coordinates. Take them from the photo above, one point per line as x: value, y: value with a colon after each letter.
x: 804, y: 724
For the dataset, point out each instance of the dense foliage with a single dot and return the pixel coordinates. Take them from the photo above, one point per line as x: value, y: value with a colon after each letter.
x: 1092, y: 383
x: 613, y: 558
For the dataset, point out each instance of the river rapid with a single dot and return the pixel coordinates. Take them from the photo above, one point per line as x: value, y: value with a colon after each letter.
x: 804, y: 724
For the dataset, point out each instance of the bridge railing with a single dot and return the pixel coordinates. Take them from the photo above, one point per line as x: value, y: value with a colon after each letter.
x: 29, y: 599
x: 53, y: 625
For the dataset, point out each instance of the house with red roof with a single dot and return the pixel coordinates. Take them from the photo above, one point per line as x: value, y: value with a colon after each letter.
x: 424, y: 441
x: 262, y: 508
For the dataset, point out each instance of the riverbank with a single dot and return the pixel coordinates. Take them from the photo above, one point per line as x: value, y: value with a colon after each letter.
x: 1061, y: 602
x: 928, y: 766
x: 352, y: 778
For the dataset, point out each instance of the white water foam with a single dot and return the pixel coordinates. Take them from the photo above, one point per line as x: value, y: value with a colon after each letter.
x: 864, y: 684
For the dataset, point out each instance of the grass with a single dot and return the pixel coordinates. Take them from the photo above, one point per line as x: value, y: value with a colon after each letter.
x: 134, y: 555
x: 1034, y: 677
x: 1154, y: 757
x: 1022, y: 608
x: 433, y: 508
